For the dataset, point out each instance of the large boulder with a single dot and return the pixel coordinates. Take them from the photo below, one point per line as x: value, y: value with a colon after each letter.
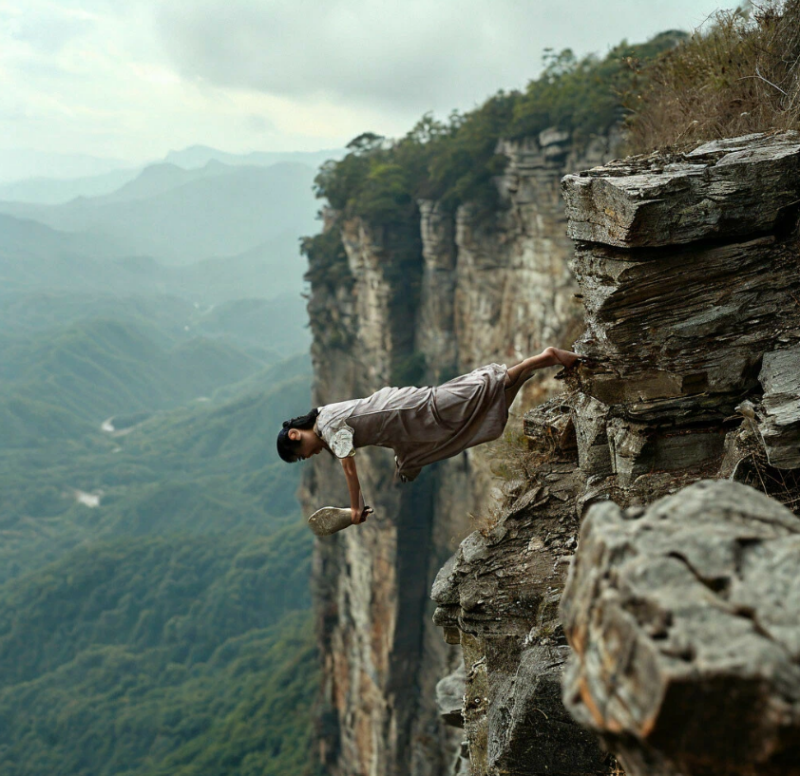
x: 683, y: 621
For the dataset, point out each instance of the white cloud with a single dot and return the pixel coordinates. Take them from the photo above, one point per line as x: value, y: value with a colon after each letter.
x: 400, y: 55
x: 46, y: 27
x: 155, y: 74
x: 132, y: 79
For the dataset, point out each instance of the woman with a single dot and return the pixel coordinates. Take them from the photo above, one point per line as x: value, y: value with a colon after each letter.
x: 421, y: 425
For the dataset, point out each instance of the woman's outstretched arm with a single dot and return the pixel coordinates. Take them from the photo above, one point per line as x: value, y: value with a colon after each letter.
x: 519, y: 373
x: 353, y: 488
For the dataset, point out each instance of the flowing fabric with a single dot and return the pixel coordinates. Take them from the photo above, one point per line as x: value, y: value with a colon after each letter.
x: 422, y: 425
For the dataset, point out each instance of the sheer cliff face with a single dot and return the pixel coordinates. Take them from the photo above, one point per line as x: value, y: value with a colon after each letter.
x: 420, y: 302
x: 694, y: 261
x: 688, y: 266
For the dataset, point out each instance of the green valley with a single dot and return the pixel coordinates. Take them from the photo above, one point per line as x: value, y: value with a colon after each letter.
x: 154, y: 565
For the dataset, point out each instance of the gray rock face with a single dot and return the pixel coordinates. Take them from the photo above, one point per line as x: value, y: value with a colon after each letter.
x: 685, y: 631
x: 780, y: 419
x: 688, y: 267
x: 500, y: 592
x: 691, y: 341
x: 727, y: 189
x: 683, y: 305
x: 531, y: 731
x: 443, y: 293
x: 683, y: 302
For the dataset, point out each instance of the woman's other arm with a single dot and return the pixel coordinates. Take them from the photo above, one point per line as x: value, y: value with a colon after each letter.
x: 353, y: 488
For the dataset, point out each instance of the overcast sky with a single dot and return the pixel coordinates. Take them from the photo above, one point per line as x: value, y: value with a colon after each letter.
x: 132, y: 79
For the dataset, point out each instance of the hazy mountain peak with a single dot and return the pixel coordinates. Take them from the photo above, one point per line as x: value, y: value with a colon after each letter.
x: 199, y: 156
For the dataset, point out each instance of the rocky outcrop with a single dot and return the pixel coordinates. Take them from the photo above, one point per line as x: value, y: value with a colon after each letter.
x: 724, y: 189
x: 679, y: 333
x: 692, y: 325
x: 684, y: 629
x: 499, y: 596
x: 418, y: 302
x: 779, y: 422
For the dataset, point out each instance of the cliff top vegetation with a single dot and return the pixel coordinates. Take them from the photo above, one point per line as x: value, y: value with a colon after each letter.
x: 736, y: 75
x: 739, y: 73
x: 454, y: 161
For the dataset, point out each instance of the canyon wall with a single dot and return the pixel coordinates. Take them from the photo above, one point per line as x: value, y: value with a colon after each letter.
x: 688, y: 266
x: 418, y: 302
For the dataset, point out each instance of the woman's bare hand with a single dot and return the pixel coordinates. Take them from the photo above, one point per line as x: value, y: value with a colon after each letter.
x: 564, y: 357
x: 357, y: 519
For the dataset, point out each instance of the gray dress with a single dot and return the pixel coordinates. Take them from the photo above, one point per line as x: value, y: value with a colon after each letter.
x: 421, y: 425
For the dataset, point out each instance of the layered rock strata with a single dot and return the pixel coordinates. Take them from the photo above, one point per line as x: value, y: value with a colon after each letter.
x: 687, y: 313
x: 684, y: 629
x: 692, y: 323
x: 420, y: 302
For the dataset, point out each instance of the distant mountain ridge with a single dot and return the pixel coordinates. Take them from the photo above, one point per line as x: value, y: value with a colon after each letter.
x: 189, y: 215
x: 158, y: 178
x: 53, y: 189
x: 18, y: 164
x: 200, y: 155
x: 38, y: 259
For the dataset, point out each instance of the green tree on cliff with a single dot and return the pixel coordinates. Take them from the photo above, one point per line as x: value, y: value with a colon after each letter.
x: 455, y: 161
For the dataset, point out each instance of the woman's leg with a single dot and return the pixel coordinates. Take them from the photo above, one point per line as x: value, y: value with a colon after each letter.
x: 519, y: 373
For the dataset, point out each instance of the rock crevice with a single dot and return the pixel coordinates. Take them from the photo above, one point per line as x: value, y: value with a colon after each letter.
x: 418, y: 302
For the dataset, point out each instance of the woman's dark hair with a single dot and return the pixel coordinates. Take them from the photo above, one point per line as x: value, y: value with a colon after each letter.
x: 287, y: 448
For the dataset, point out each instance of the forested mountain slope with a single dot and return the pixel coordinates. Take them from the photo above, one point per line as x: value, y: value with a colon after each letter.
x: 153, y: 570
x: 160, y: 655
x: 154, y: 566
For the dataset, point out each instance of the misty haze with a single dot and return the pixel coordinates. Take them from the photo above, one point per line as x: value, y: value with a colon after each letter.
x: 215, y: 217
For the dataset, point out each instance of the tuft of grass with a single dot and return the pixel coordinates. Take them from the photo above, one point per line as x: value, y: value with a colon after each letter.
x: 781, y: 484
x: 737, y: 74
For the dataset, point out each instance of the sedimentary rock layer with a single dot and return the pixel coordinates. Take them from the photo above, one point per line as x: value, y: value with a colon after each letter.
x: 692, y: 325
x: 682, y: 307
x: 723, y: 189
x: 683, y: 624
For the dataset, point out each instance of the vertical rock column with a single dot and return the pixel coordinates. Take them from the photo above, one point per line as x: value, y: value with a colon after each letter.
x: 514, y: 290
x: 420, y: 302
x: 370, y: 581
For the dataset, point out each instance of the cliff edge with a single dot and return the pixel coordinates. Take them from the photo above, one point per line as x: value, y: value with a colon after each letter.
x: 417, y: 299
x: 687, y: 266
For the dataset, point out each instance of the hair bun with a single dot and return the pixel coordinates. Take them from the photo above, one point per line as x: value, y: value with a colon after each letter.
x: 287, y: 423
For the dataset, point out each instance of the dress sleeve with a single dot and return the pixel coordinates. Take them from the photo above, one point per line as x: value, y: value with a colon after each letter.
x: 338, y: 439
